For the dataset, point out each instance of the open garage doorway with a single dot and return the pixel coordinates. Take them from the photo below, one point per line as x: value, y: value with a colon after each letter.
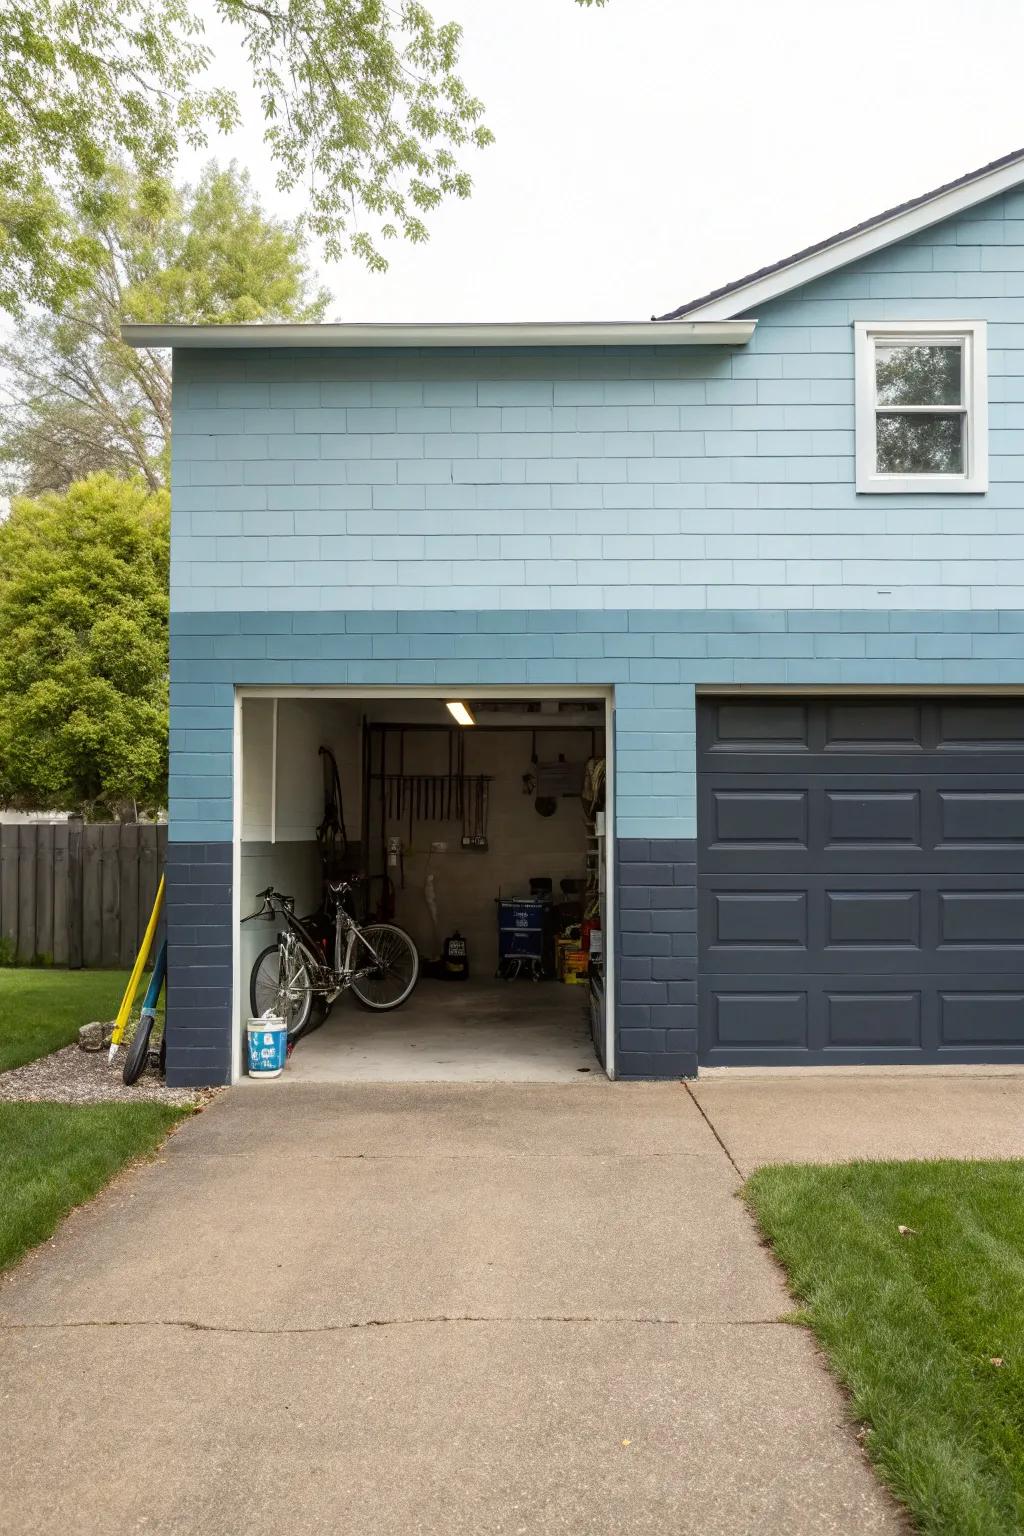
x: 478, y: 822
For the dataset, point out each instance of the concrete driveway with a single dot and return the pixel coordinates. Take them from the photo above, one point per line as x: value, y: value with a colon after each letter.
x: 841, y: 1114
x: 456, y: 1308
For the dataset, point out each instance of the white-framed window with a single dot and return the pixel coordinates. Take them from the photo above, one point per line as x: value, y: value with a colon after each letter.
x: 922, y: 405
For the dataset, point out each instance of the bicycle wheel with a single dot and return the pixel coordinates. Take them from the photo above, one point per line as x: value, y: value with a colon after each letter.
x: 138, y: 1051
x: 281, y: 983
x: 386, y: 977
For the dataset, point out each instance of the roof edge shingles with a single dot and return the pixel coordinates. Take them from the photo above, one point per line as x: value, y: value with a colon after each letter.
x: 842, y: 236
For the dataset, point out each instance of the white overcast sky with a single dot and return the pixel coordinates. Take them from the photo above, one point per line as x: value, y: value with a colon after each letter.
x: 656, y: 148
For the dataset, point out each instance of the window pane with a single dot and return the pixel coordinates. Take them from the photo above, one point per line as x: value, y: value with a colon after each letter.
x: 920, y: 445
x: 918, y: 375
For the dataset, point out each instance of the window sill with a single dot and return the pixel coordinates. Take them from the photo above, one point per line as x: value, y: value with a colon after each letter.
x: 922, y: 485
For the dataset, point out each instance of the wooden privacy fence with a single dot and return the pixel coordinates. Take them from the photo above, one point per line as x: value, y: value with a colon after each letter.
x: 77, y: 894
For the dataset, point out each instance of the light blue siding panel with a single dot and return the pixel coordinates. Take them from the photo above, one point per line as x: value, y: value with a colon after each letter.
x: 753, y: 444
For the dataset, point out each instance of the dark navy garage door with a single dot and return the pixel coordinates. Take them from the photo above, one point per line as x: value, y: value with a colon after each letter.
x: 861, y: 880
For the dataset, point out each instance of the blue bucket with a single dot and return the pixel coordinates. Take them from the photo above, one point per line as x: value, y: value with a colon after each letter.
x: 268, y: 1046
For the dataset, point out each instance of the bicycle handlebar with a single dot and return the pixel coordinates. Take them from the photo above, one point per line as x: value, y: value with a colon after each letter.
x: 268, y: 898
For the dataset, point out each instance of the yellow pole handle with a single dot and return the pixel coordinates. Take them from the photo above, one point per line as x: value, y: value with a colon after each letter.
x: 127, y: 1001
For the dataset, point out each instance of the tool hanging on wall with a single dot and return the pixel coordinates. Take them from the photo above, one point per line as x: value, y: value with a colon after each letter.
x: 331, y: 837
x: 437, y: 797
x: 474, y: 817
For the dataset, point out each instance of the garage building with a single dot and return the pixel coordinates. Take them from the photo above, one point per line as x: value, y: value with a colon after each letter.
x: 763, y: 558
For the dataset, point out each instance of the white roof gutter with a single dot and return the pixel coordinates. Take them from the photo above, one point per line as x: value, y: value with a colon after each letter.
x: 573, y: 333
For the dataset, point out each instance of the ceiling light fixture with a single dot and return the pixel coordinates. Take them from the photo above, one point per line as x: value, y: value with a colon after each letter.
x: 461, y: 713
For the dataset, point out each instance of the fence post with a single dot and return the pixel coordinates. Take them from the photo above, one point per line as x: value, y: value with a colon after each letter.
x: 74, y: 893
x: 28, y: 843
x: 9, y: 862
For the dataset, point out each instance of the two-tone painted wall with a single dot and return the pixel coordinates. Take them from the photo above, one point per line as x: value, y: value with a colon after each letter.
x: 653, y: 519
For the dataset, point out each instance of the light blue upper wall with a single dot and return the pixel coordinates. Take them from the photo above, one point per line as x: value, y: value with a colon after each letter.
x: 719, y: 478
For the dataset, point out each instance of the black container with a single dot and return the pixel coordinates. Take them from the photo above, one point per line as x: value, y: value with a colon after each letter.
x: 455, y: 958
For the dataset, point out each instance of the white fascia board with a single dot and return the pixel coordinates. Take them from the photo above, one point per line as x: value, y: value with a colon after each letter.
x: 819, y: 264
x: 615, y: 333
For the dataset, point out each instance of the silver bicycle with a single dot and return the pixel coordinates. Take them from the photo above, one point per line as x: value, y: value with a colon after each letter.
x: 315, y: 959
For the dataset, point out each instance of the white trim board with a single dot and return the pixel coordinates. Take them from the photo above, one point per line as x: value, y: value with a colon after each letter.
x: 944, y: 205
x: 596, y: 693
x: 572, y: 333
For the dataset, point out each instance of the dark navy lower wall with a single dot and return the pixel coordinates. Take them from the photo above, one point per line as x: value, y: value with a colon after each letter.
x: 199, y: 963
x: 656, y: 957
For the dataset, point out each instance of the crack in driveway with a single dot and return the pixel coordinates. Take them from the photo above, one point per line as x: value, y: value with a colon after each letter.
x: 195, y: 1326
x: 712, y: 1128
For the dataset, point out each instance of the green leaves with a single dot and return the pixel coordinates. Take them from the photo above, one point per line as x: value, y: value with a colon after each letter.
x: 86, y: 82
x: 79, y: 400
x: 363, y: 113
x: 83, y: 649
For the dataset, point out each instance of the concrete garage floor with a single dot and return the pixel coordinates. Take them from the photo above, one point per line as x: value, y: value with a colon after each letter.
x: 442, y: 1309
x: 458, y: 1032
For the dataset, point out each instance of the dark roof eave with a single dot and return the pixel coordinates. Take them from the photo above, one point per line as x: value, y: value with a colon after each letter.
x: 838, y: 239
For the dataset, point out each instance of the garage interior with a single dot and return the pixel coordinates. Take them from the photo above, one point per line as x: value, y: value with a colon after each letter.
x: 491, y: 833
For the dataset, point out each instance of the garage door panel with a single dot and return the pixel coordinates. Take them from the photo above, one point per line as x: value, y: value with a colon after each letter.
x: 872, y: 725
x: 820, y: 924
x: 836, y: 1019
x: 861, y: 881
x: 969, y: 817
x: 982, y: 918
x: 744, y: 1019
x: 995, y: 724
x: 826, y: 1017
x: 881, y: 1018
x: 754, y: 817
x: 872, y: 818
x: 980, y: 1018
x: 778, y: 918
x: 869, y: 919
x: 861, y: 823
x: 760, y: 724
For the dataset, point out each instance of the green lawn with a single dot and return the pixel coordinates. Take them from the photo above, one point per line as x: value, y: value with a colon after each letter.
x: 41, y: 1010
x: 913, y: 1325
x: 55, y: 1156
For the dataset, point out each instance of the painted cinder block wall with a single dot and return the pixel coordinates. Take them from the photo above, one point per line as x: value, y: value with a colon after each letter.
x: 649, y: 519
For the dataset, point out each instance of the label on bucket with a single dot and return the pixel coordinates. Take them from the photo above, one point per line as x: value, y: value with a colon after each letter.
x: 268, y: 1045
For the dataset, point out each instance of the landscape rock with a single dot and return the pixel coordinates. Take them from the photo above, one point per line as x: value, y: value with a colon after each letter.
x: 90, y: 1036
x: 73, y: 1076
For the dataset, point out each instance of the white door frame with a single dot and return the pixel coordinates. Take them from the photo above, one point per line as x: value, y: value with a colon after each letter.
x: 372, y: 693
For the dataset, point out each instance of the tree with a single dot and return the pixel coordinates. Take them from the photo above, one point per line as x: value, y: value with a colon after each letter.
x: 83, y: 650
x: 77, y: 399
x: 364, y: 113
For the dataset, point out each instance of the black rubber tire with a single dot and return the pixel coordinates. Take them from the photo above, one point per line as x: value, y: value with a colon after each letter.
x: 305, y: 1023
x: 413, y: 953
x: 138, y: 1051
x: 318, y: 1015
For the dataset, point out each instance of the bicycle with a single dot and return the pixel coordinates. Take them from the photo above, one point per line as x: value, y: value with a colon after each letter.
x: 305, y: 972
